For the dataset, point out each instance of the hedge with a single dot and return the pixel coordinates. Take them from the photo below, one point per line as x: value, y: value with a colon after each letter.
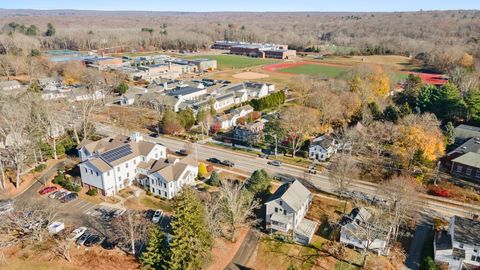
x: 269, y: 101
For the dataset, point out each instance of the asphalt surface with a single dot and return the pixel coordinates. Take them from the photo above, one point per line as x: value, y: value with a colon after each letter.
x: 414, y: 259
x: 245, y: 252
x: 432, y: 206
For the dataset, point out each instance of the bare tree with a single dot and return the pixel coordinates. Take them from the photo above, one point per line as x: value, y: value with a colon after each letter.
x: 401, y: 194
x: 342, y: 171
x: 131, y: 228
x: 298, y: 122
x: 14, y: 130
x: 237, y: 207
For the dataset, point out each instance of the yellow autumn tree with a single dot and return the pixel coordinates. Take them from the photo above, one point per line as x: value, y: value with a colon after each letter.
x: 379, y: 81
x: 466, y: 61
x: 72, y: 72
x: 355, y: 84
x: 419, y: 133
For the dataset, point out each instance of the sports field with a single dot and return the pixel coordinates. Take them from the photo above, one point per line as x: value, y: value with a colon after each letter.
x: 314, y: 69
x: 235, y: 61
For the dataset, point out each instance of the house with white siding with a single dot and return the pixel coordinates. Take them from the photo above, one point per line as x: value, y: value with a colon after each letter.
x: 286, y: 210
x: 458, y: 247
x: 110, y: 165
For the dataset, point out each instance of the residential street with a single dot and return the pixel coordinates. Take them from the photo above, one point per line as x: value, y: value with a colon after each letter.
x: 433, y: 206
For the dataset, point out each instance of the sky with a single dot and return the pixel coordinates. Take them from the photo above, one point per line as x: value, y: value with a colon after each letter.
x: 244, y: 5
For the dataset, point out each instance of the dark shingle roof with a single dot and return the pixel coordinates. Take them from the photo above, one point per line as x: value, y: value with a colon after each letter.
x: 466, y: 231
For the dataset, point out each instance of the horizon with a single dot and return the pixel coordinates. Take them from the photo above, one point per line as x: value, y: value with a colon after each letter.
x: 246, y: 6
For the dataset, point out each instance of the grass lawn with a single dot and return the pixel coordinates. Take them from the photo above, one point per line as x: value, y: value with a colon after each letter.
x: 344, y: 266
x: 312, y: 69
x: 17, y: 263
x: 235, y: 61
x: 154, y: 203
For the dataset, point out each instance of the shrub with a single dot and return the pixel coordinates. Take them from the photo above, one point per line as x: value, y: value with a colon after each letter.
x: 77, y: 188
x: 202, y: 170
x: 59, y: 179
x: 40, y: 167
x: 149, y: 193
x: 439, y: 191
x: 92, y: 192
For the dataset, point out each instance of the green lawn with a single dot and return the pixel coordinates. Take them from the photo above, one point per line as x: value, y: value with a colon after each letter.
x: 155, y: 203
x: 235, y: 61
x: 311, y: 69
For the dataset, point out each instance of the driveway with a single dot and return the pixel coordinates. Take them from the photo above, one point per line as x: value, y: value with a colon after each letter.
x: 420, y: 238
x: 245, y: 252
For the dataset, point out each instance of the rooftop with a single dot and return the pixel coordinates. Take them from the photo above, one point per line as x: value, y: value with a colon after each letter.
x: 470, y: 159
x: 465, y: 132
x: 184, y: 91
x: 294, y: 194
x: 466, y: 231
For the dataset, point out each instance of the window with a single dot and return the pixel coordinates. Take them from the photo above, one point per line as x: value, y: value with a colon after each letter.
x: 156, y: 155
x: 165, y: 185
x: 280, y: 202
x: 118, y: 169
x: 134, y: 161
x: 478, y: 259
x: 119, y: 178
x: 96, y: 173
x: 477, y: 175
x: 276, y: 210
x: 468, y: 171
x: 165, y: 193
x: 143, y: 158
x: 91, y: 171
x: 108, y: 173
x: 459, y: 168
x: 461, y: 245
x: 128, y: 174
x: 473, y: 258
x: 126, y: 165
x: 86, y: 170
x: 285, y: 212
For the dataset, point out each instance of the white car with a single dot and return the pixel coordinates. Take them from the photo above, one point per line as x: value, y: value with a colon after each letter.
x: 157, y: 216
x: 76, y: 233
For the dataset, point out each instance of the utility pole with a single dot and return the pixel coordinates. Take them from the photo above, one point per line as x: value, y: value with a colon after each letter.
x: 275, y: 136
x: 435, y: 177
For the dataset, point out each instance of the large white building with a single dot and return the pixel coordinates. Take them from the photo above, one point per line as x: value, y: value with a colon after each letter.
x: 286, y: 210
x: 459, y: 246
x: 112, y: 164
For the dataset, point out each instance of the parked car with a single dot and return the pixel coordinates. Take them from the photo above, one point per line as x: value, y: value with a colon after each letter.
x: 312, y: 169
x: 275, y: 163
x: 69, y: 197
x: 182, y: 152
x: 92, y: 240
x: 56, y: 227
x: 153, y: 135
x: 228, y: 163
x: 83, y: 238
x: 54, y: 194
x: 109, y: 244
x: 76, y: 233
x: 264, y: 156
x: 47, y: 190
x: 62, y: 194
x: 214, y: 160
x: 157, y: 216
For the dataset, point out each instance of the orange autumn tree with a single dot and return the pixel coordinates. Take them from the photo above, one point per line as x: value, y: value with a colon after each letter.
x: 419, y: 133
x: 379, y: 81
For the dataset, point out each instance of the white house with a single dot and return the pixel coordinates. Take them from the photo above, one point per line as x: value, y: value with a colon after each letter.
x: 111, y: 164
x: 50, y: 83
x: 286, y: 209
x: 259, y: 90
x: 127, y: 99
x: 224, y: 101
x: 10, y: 85
x: 227, y: 121
x: 358, y: 232
x: 166, y: 178
x: 322, y: 148
x: 459, y: 246
x: 243, y: 111
x: 83, y: 94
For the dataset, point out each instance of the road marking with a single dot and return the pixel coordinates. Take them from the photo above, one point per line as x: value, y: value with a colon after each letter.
x: 75, y: 203
x: 88, y: 210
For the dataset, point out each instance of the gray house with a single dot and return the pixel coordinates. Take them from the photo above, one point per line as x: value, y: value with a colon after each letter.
x: 286, y: 210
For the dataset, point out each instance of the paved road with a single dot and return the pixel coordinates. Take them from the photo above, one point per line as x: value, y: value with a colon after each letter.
x: 245, y: 252
x: 414, y: 259
x: 433, y: 206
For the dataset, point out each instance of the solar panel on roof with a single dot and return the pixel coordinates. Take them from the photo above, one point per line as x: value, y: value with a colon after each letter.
x: 117, y: 153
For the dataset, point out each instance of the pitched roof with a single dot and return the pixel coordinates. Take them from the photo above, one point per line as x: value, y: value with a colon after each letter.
x: 470, y: 159
x: 100, y: 164
x: 465, y: 132
x: 185, y: 91
x: 466, y: 231
x: 294, y: 194
x: 173, y: 173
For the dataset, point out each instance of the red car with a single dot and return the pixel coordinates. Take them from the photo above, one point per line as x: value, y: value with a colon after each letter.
x: 47, y: 190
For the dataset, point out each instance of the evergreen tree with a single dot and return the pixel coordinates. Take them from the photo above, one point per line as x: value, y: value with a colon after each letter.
x: 191, y: 240
x: 375, y: 110
x: 449, y: 133
x: 156, y: 254
x: 122, y: 88
x: 472, y: 100
x: 187, y: 118
x: 259, y: 182
x: 50, y: 30
x: 34, y: 87
x: 391, y: 114
x: 171, y: 124
x: 214, y: 179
